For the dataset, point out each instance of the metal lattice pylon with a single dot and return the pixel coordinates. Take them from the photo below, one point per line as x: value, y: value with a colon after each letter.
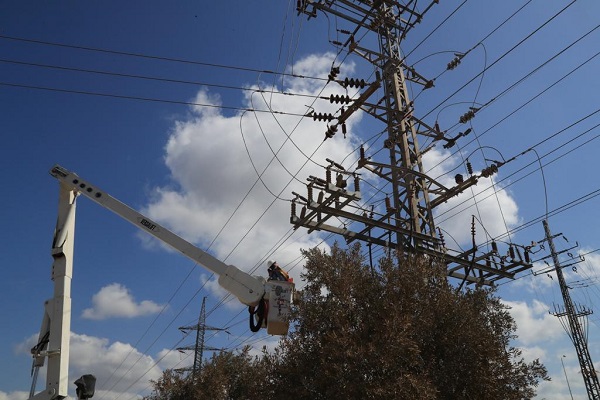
x: 199, y: 346
x: 573, y: 316
x: 407, y: 223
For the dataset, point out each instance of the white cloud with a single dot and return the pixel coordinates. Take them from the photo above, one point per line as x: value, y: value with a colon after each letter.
x: 169, y: 359
x: 494, y: 212
x: 557, y: 387
x: 211, y: 284
x: 215, y: 160
x: 17, y: 395
x: 120, y: 369
x: 115, y: 300
x: 535, y: 325
x: 118, y: 366
x: 586, y: 271
x: 535, y: 284
x: 532, y: 353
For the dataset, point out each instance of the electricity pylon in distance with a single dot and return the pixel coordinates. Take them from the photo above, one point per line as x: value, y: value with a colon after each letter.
x: 199, y: 347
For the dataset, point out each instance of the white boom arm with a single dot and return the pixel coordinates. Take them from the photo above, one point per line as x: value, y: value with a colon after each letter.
x: 53, y: 341
x: 247, y: 288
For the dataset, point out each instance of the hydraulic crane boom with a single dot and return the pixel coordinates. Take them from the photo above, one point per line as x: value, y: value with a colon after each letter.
x: 272, y: 298
x: 247, y: 288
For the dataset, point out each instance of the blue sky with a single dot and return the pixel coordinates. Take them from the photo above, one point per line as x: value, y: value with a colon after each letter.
x: 189, y: 167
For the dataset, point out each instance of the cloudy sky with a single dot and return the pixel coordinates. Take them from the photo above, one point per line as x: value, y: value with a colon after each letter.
x: 194, y: 115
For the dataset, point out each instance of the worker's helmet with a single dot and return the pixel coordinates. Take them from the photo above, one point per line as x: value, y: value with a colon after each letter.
x: 270, y: 262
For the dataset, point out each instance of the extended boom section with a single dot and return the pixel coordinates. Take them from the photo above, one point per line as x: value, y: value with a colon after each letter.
x: 248, y: 289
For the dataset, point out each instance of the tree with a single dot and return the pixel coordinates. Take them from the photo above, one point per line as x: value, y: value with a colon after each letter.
x: 226, y: 375
x: 400, y: 331
x: 171, y: 386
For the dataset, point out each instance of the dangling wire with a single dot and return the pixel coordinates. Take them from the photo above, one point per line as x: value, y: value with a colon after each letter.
x: 543, y: 179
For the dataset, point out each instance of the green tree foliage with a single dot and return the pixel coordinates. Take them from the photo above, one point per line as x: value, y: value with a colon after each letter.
x: 226, y: 375
x: 399, y: 332
x: 171, y: 386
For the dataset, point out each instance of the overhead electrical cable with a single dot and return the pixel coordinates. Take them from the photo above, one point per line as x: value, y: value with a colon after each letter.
x: 148, y: 99
x: 561, y: 146
x: 154, y: 57
x: 489, y: 34
x: 151, y: 78
x: 245, y: 110
x: 523, y: 105
x: 589, y: 59
x: 275, y: 157
x: 281, y: 51
x: 528, y: 75
x: 531, y: 73
x: 501, y: 57
x: 436, y: 28
x: 289, y: 138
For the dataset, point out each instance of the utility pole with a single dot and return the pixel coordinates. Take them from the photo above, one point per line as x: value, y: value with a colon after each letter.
x: 566, y: 377
x: 199, y: 347
x: 406, y: 222
x: 573, y: 315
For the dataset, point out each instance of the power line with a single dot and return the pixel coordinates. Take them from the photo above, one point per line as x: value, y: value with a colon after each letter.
x: 151, y: 78
x: 501, y: 57
x: 480, y: 42
x: 512, y: 182
x: 154, y: 57
x: 523, y: 105
x: 436, y: 28
x: 147, y: 99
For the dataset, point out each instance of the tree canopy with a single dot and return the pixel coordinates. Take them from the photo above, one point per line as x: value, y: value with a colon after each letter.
x: 398, y: 331
x: 226, y: 375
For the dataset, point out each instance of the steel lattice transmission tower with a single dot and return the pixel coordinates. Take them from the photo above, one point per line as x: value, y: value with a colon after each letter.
x: 574, y: 315
x: 407, y: 223
x: 199, y: 347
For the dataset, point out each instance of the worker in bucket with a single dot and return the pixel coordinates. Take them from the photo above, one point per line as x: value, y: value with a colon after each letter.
x: 276, y: 273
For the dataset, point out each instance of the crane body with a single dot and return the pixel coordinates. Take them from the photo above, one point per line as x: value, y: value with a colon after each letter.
x: 269, y: 301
